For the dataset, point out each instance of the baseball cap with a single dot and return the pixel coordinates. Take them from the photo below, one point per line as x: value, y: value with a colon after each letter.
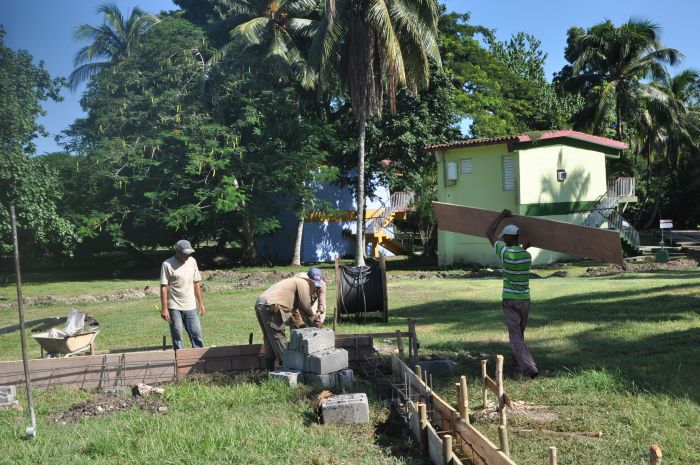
x: 510, y: 230
x: 184, y: 247
x: 316, y: 276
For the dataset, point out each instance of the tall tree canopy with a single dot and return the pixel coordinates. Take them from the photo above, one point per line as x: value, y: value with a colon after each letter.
x: 24, y: 181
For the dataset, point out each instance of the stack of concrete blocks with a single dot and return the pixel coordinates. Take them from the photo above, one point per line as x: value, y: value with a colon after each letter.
x: 312, y: 358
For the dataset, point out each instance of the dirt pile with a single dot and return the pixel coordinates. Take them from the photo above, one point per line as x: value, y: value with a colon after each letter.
x: 126, y: 294
x: 675, y: 265
x: 105, y: 403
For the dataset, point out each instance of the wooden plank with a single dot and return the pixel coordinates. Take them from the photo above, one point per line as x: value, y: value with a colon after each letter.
x: 385, y: 299
x: 481, y: 444
x: 568, y: 238
x: 435, y: 447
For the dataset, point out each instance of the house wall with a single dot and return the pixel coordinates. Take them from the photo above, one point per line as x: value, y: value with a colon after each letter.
x: 537, y: 192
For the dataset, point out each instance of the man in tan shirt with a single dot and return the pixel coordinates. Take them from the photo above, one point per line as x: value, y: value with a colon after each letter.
x: 319, y: 304
x: 275, y: 306
x: 181, y: 295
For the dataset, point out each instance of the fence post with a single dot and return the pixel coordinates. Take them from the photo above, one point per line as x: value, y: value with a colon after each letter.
x: 552, y: 455
x: 484, y: 362
x: 423, y: 419
x: 447, y: 449
x: 501, y: 390
x: 463, y: 399
x: 655, y: 455
x: 503, y: 440
x: 399, y: 343
x: 413, y: 341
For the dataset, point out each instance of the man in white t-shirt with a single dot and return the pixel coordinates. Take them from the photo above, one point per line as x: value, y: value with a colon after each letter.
x: 181, y: 295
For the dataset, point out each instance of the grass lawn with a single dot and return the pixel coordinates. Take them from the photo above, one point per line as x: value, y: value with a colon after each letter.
x: 619, y: 354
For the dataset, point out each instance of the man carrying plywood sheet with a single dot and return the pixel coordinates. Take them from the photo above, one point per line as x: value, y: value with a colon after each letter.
x: 516, y: 261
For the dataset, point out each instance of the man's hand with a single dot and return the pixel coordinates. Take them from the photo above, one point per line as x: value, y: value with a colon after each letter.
x: 202, y: 309
x: 506, y: 213
x: 526, y: 245
x: 165, y: 314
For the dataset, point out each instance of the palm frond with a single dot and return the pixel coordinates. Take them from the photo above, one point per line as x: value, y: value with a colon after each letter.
x: 251, y: 33
x: 85, y: 72
x: 379, y: 19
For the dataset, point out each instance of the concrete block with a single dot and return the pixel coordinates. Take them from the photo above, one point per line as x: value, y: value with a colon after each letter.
x: 289, y: 377
x: 327, y: 361
x: 312, y: 340
x: 7, y: 394
x: 328, y: 381
x: 293, y: 359
x: 346, y: 408
x: 346, y: 378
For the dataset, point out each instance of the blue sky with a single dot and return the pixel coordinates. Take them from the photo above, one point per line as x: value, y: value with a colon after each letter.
x: 45, y: 28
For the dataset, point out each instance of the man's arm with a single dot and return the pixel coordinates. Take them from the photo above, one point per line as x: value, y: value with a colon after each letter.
x: 164, y: 312
x: 200, y: 299
x: 491, y: 232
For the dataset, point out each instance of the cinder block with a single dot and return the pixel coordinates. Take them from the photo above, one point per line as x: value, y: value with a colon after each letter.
x: 327, y: 361
x: 312, y: 340
x: 7, y: 394
x: 293, y: 359
x: 289, y: 377
x: 346, y: 378
x: 346, y: 408
x: 328, y: 381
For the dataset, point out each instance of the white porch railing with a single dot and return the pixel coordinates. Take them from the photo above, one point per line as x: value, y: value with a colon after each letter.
x: 605, y: 209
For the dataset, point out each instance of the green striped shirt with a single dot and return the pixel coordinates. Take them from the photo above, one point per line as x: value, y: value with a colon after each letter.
x: 516, y: 270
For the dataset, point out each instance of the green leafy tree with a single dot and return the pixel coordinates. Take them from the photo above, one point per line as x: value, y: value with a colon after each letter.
x: 24, y: 181
x: 368, y: 48
x: 115, y: 37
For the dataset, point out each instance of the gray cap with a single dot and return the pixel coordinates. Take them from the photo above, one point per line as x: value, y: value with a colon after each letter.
x: 316, y: 276
x: 184, y: 247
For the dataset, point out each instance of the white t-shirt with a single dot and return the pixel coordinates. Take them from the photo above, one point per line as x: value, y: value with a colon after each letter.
x: 180, y: 278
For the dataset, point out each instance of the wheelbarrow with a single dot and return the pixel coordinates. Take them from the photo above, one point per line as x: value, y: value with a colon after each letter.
x: 60, y: 347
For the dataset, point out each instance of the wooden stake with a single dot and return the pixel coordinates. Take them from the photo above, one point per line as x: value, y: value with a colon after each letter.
x: 463, y: 399
x: 413, y: 341
x: 499, y: 384
x: 399, y: 343
x: 503, y: 440
x: 484, y: 388
x: 337, y: 293
x: 447, y: 449
x: 423, y: 418
x: 419, y: 372
x: 655, y: 455
x: 552, y: 455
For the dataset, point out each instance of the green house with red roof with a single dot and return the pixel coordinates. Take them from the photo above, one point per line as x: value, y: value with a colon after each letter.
x: 559, y: 175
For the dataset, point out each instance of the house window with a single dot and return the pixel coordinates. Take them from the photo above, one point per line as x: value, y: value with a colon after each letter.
x: 467, y: 167
x: 508, y: 174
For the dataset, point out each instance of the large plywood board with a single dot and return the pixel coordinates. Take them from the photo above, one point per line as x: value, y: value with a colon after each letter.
x: 568, y: 238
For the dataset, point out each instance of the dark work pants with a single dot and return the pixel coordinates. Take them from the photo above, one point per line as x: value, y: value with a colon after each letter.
x: 272, y: 326
x: 515, y: 313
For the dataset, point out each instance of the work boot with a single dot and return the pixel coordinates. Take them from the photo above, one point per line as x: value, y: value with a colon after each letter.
x: 531, y: 372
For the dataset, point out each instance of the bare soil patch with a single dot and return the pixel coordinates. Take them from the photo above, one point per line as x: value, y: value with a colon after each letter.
x: 675, y: 265
x: 528, y: 411
x: 105, y: 403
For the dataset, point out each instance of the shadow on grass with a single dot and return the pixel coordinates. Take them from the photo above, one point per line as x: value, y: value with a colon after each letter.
x: 667, y: 361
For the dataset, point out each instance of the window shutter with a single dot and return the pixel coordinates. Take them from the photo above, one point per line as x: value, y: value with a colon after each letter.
x: 508, y: 174
x: 467, y: 166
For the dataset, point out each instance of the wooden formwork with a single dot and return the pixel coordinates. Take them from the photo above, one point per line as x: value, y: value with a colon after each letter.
x: 94, y: 371
x: 443, y: 421
x: 158, y: 366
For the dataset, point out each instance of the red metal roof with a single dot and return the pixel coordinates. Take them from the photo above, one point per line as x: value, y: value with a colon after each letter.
x: 548, y: 135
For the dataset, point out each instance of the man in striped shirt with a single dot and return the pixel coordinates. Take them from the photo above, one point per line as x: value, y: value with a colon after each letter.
x: 516, y: 262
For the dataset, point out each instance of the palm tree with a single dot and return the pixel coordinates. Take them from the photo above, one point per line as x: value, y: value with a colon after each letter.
x: 370, y: 47
x: 114, y: 38
x: 278, y: 31
x: 611, y: 63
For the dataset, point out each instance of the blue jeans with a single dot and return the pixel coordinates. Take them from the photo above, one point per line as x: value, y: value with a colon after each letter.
x: 189, y: 319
